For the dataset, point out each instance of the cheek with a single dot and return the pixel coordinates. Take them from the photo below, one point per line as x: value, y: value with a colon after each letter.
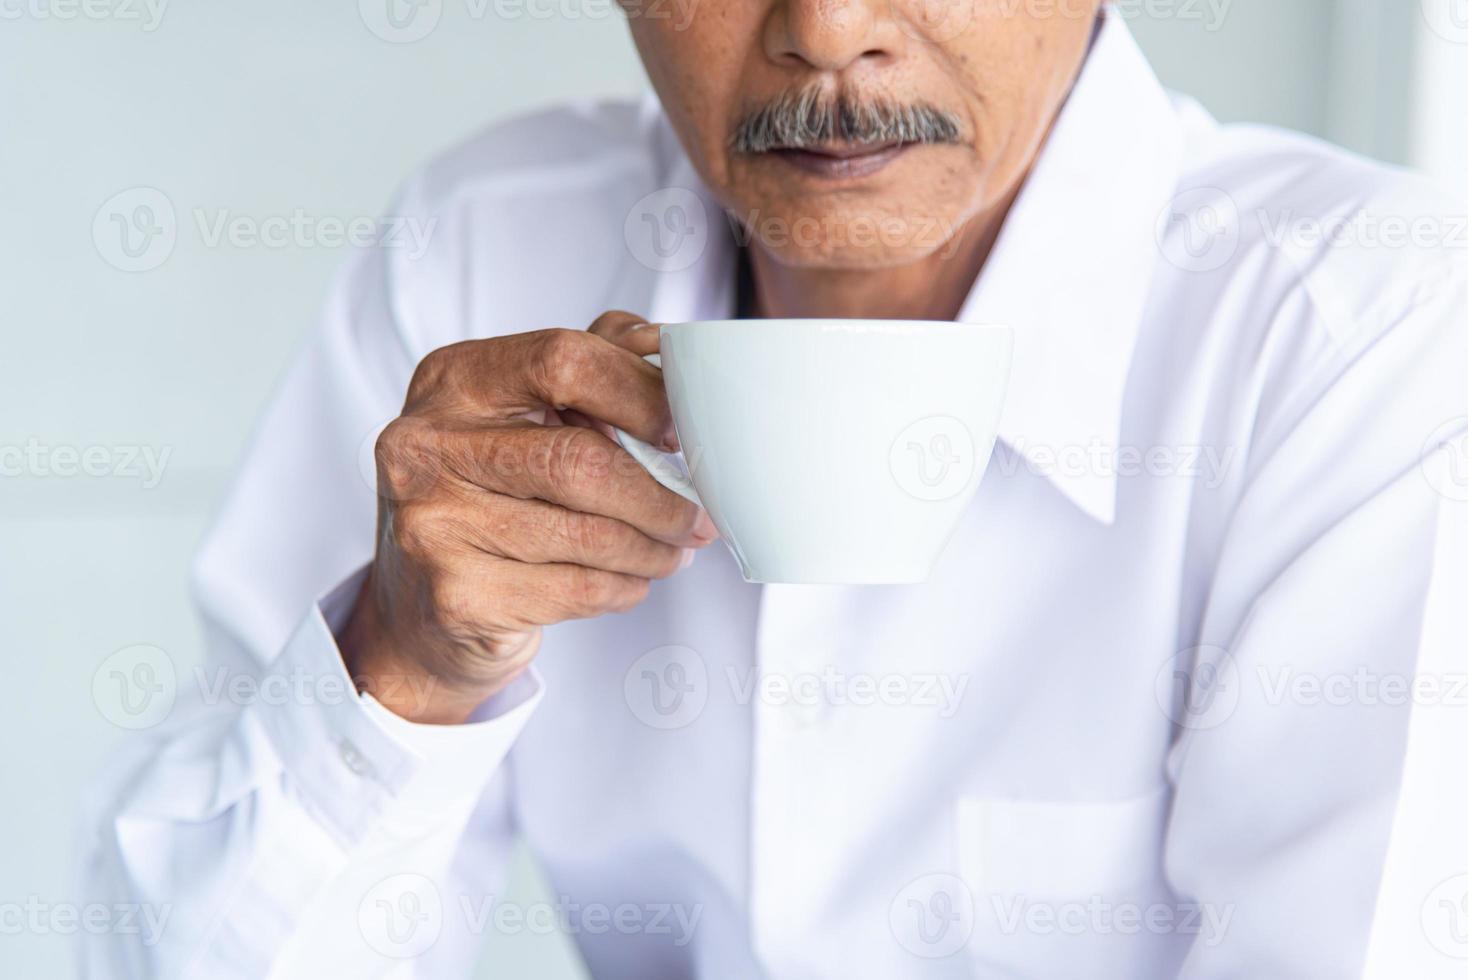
x: 696, y: 78
x: 1014, y: 77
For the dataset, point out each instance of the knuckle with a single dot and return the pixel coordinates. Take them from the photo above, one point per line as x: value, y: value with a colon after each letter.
x: 564, y: 357
x: 405, y: 455
x: 431, y: 371
x: 393, y: 442
x: 455, y: 374
x: 415, y: 531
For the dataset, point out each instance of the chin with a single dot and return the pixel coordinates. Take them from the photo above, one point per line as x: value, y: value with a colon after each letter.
x: 837, y: 256
x: 857, y: 235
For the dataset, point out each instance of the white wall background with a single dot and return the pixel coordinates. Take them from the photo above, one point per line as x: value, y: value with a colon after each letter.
x: 272, y: 106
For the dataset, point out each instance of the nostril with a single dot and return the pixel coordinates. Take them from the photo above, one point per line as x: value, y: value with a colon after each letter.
x: 830, y: 35
x: 791, y: 59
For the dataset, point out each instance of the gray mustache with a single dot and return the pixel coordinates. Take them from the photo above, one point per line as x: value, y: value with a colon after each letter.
x: 810, y: 117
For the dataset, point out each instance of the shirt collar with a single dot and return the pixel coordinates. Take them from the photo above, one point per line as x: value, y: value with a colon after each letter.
x: 1070, y: 271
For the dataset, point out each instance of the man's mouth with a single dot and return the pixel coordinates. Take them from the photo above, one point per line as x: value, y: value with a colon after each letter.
x: 842, y: 161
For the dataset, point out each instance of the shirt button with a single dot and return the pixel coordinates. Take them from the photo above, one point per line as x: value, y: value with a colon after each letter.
x: 354, y: 759
x: 804, y: 717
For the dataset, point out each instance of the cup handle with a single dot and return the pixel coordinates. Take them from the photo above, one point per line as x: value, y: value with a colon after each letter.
x: 658, y: 463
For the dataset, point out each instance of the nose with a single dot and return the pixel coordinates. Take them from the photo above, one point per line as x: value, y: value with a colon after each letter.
x: 831, y: 35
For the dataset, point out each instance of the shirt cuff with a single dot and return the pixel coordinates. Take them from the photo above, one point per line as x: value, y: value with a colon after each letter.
x: 352, y: 758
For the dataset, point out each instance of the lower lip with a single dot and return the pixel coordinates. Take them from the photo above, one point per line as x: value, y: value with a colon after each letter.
x: 841, y: 168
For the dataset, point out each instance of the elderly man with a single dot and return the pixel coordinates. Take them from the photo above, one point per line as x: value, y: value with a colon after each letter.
x: 1158, y: 711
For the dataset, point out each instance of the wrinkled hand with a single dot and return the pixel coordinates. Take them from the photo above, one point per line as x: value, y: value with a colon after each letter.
x: 505, y: 506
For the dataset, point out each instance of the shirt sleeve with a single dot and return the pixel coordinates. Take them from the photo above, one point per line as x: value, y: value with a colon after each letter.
x: 257, y: 813
x: 1318, y: 801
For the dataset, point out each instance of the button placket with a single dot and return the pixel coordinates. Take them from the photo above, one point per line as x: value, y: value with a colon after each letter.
x: 795, y: 805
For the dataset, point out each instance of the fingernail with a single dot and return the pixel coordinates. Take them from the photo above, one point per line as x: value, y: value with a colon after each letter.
x: 703, y: 528
x: 688, y: 554
x: 670, y: 439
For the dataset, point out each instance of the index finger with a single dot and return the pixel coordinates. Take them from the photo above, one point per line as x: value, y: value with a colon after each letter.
x: 627, y: 330
x: 560, y: 369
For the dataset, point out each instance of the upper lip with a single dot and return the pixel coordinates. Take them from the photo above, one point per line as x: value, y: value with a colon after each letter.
x: 843, y: 151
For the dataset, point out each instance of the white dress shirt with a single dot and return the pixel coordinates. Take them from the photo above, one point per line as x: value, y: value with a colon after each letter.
x: 1181, y: 698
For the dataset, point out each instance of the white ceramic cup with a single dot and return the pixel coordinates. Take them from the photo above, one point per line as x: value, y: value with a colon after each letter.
x: 831, y: 451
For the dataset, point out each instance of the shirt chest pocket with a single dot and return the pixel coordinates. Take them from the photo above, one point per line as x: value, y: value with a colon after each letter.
x: 1060, y: 884
x: 1060, y: 850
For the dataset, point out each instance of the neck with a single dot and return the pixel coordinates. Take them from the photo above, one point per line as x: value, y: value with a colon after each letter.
x: 932, y: 288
